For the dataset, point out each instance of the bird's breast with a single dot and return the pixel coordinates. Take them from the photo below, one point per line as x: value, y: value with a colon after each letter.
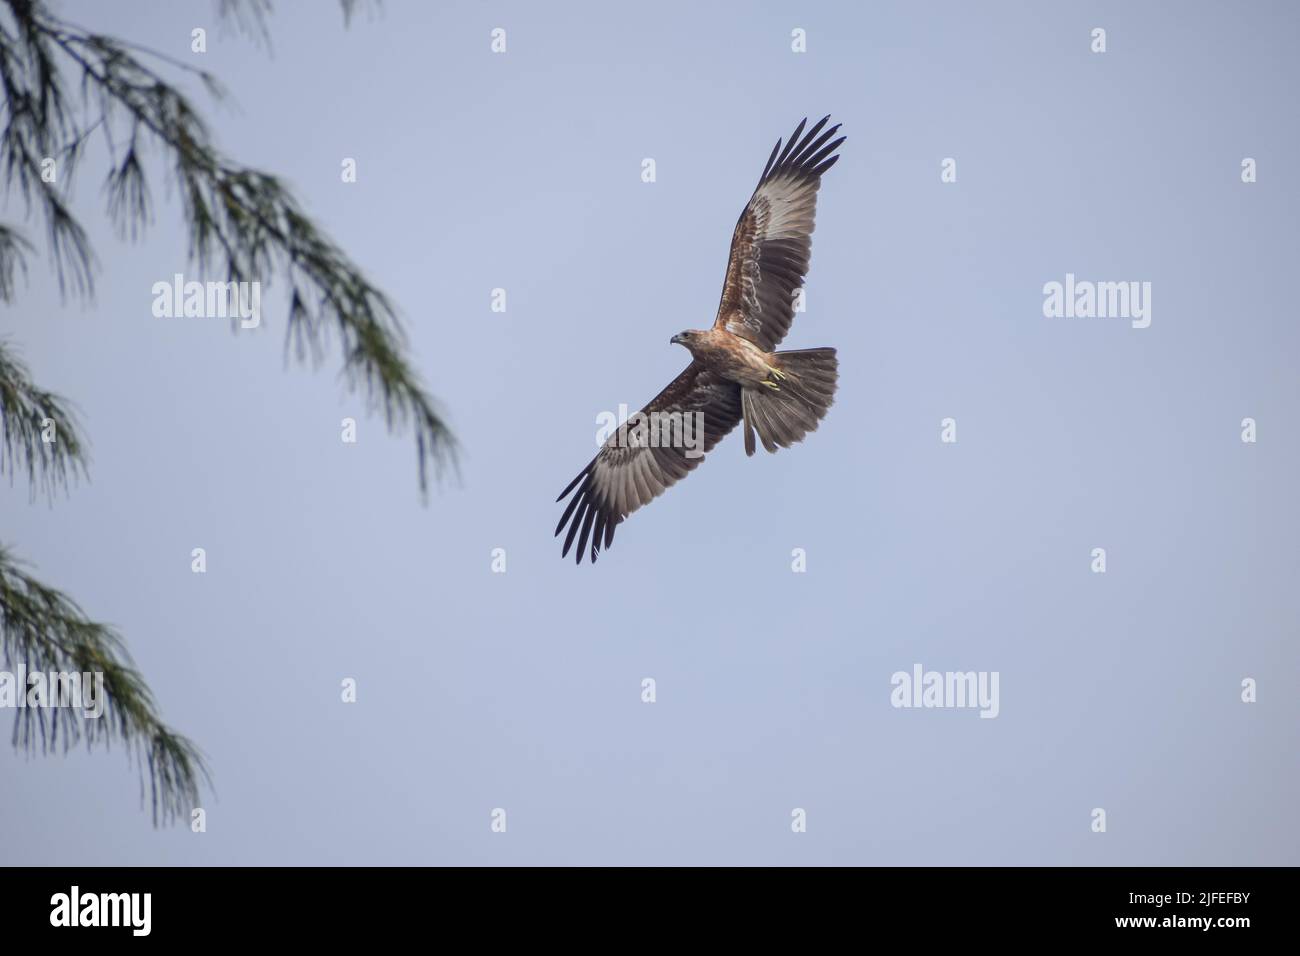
x: 733, y: 358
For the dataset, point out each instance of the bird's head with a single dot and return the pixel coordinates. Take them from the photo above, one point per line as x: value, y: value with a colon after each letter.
x: 686, y: 338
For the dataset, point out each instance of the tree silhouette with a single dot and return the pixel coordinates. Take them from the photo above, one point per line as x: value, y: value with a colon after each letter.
x: 243, y: 224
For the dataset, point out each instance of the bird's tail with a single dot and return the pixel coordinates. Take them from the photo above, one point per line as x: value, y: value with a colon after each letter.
x: 792, y: 401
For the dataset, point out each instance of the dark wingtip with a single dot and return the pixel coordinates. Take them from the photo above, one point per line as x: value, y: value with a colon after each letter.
x: 571, y: 485
x: 573, y: 527
x: 790, y: 144
x: 586, y: 531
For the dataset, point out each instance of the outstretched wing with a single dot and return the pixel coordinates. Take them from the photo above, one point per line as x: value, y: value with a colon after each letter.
x: 648, y: 453
x: 773, y: 239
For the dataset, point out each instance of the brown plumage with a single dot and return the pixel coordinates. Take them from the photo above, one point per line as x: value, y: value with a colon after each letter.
x: 734, y: 373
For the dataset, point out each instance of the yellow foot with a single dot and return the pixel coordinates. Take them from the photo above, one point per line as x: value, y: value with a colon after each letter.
x: 780, y: 375
x: 773, y: 386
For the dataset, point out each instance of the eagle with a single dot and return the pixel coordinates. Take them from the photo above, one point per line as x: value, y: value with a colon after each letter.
x: 735, y: 372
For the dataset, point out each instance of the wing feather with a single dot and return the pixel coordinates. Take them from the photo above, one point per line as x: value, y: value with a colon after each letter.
x: 625, y: 474
x: 772, y: 243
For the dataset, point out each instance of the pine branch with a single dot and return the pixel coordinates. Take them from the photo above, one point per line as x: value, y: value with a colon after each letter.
x: 242, y: 223
x: 38, y: 430
x: 38, y: 120
x: 250, y: 15
x: 13, y: 261
x: 46, y: 631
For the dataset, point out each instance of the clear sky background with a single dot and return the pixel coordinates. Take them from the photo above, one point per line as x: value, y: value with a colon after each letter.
x: 522, y: 690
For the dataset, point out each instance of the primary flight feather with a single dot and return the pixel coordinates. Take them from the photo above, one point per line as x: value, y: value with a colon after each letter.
x: 735, y: 375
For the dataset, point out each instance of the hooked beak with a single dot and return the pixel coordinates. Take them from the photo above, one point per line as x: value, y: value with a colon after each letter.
x: 676, y: 339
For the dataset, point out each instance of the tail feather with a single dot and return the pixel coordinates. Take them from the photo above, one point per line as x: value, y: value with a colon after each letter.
x: 784, y: 415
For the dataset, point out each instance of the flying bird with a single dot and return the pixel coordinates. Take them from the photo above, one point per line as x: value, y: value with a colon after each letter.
x: 735, y: 373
